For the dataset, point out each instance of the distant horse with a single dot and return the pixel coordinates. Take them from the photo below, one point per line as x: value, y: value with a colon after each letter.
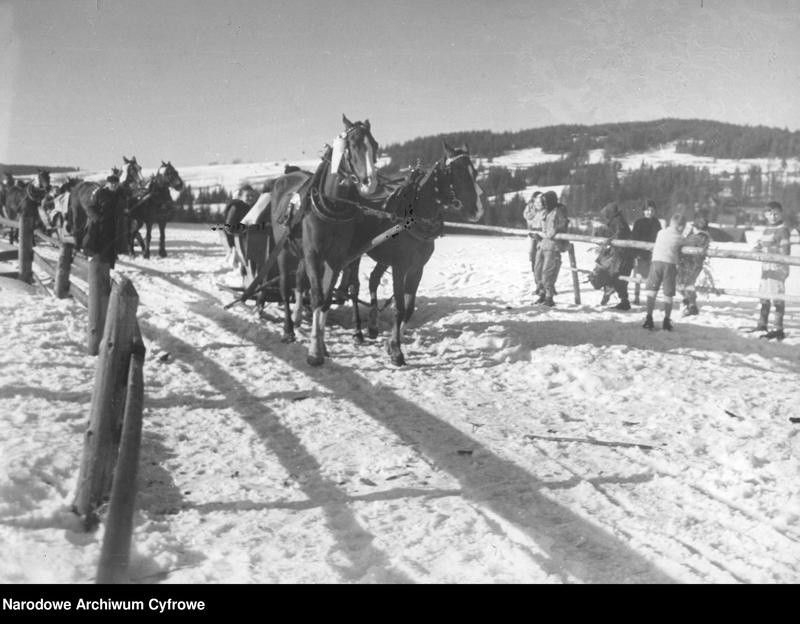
x: 153, y: 204
x: 26, y: 200
x: 450, y: 185
x: 132, y: 185
x: 322, y: 235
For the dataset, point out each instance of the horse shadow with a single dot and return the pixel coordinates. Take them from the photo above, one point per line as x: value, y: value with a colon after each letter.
x: 291, y: 454
x: 575, y: 547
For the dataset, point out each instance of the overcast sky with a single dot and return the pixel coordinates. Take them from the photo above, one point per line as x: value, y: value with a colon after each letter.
x: 83, y: 82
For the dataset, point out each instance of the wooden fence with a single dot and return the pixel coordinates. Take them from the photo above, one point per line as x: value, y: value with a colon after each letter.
x: 711, y: 252
x: 111, y: 444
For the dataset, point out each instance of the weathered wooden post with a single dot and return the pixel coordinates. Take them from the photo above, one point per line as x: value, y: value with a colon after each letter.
x: 63, y: 270
x: 573, y: 265
x: 25, y: 254
x: 116, y: 549
x: 99, y: 453
x: 99, y: 289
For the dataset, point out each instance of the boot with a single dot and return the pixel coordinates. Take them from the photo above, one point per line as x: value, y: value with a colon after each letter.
x: 775, y: 334
x: 667, y: 324
x: 648, y: 322
x: 623, y: 305
x: 541, y: 298
x: 548, y: 301
x: 763, y: 317
x: 691, y: 310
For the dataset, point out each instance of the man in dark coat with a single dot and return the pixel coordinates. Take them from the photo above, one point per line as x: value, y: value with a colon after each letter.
x: 100, y: 235
x: 616, y: 261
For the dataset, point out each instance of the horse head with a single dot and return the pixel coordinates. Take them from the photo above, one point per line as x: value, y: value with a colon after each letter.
x: 355, y: 152
x: 169, y: 176
x: 461, y: 179
x: 132, y: 175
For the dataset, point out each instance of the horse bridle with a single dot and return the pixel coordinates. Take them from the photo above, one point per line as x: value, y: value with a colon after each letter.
x: 348, y: 155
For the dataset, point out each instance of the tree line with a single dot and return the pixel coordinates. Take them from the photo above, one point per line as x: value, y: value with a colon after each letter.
x: 694, y: 136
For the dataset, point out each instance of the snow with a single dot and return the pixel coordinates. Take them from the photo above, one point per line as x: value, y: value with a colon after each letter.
x: 528, y: 191
x: 519, y: 444
x: 519, y: 159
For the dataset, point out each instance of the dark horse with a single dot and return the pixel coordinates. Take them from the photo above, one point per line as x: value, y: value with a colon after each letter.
x: 26, y: 200
x: 153, y: 204
x: 315, y: 217
x: 450, y: 185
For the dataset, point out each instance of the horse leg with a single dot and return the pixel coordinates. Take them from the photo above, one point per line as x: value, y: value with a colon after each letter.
x: 162, y: 245
x: 147, y: 236
x: 316, y: 347
x: 412, y: 281
x: 374, y: 282
x: 393, y: 344
x: 353, y: 286
x: 288, y: 325
x: 300, y: 285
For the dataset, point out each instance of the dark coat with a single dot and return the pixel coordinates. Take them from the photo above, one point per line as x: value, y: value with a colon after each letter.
x: 99, y: 237
x: 645, y: 229
x: 615, y: 260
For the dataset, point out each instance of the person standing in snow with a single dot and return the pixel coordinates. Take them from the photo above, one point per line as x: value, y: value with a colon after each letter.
x: 644, y: 229
x: 616, y: 262
x: 775, y: 239
x: 664, y: 269
x: 533, y: 216
x: 690, y: 266
x: 548, y: 253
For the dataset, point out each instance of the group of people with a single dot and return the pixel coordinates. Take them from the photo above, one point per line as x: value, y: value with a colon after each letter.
x: 663, y: 268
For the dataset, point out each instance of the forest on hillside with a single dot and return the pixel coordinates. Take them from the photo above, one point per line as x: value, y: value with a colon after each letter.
x: 695, y: 136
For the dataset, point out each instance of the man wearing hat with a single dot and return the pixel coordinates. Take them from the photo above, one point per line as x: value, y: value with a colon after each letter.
x: 100, y: 234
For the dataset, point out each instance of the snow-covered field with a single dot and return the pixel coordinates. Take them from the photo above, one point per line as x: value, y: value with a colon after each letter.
x: 519, y: 444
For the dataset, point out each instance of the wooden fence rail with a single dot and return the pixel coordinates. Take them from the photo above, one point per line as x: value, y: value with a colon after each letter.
x: 711, y: 252
x: 112, y: 440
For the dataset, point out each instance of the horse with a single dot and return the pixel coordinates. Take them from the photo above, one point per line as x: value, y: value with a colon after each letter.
x: 153, y: 204
x: 26, y: 200
x: 132, y: 184
x: 424, y: 199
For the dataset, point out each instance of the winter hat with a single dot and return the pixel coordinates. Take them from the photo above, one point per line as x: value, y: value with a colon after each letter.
x: 774, y: 205
x: 609, y: 210
x: 650, y: 204
x: 550, y: 199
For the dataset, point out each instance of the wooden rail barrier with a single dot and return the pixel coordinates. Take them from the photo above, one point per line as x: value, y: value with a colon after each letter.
x: 112, y: 441
x: 711, y: 252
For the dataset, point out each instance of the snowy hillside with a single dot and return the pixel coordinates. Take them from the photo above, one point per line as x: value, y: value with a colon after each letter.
x: 519, y: 444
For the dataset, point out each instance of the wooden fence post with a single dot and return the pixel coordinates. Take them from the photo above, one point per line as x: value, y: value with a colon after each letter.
x: 115, y: 552
x: 99, y: 451
x: 99, y: 289
x: 26, y: 246
x: 573, y: 265
x: 63, y: 270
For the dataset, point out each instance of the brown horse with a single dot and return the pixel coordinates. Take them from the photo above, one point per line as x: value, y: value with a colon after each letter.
x: 449, y: 186
x: 153, y: 204
x: 316, y: 217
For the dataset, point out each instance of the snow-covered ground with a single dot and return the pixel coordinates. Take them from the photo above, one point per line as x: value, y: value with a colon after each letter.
x: 519, y: 444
